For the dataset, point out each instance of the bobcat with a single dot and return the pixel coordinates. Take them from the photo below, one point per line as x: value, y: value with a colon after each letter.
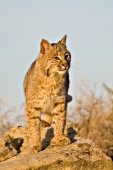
x: 46, y: 86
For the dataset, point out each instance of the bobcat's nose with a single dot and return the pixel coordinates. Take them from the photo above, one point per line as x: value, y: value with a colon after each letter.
x: 64, y: 66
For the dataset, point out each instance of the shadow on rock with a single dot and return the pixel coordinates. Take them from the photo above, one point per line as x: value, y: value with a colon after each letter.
x: 71, y: 134
x: 48, y: 137
x: 50, y: 134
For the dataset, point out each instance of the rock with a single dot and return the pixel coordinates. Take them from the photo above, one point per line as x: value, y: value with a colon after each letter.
x: 80, y: 154
x: 9, y: 147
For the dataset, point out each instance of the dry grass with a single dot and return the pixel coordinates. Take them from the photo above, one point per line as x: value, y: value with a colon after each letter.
x: 95, y: 116
x: 10, y: 117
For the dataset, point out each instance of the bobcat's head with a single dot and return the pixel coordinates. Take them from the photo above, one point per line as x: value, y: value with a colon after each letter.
x: 56, y: 57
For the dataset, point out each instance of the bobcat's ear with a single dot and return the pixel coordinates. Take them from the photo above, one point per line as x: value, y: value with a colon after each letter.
x: 63, y: 40
x: 44, y: 46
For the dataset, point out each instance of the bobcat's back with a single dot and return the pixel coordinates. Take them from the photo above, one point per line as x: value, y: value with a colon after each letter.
x: 28, y: 76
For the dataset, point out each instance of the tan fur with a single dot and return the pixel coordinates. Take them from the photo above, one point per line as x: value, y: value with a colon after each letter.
x: 46, y: 86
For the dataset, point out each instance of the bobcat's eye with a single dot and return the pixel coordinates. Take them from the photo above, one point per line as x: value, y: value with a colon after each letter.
x: 57, y: 58
x: 66, y: 56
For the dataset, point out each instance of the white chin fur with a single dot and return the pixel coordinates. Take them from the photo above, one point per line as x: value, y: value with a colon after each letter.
x: 61, y: 72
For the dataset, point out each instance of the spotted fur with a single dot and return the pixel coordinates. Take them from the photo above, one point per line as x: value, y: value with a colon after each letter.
x: 46, y: 86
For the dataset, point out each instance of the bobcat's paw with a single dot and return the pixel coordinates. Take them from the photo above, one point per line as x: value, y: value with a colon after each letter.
x: 61, y: 141
x: 35, y: 149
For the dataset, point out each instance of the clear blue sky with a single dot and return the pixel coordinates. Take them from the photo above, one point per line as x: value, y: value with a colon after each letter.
x: 23, y: 23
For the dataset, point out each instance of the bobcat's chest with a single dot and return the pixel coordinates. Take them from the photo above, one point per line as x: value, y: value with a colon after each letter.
x: 51, y: 97
x: 48, y: 104
x: 48, y: 92
x: 50, y: 87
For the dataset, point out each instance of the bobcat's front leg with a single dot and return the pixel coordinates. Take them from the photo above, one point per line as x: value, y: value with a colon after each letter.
x: 59, y: 114
x: 34, y: 125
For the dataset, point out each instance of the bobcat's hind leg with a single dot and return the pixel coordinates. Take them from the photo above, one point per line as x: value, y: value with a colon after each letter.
x: 34, y: 125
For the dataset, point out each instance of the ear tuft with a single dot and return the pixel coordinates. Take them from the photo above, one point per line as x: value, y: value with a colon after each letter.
x: 63, y: 40
x: 44, y: 46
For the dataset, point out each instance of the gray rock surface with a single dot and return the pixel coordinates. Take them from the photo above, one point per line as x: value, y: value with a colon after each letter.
x: 81, y: 154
